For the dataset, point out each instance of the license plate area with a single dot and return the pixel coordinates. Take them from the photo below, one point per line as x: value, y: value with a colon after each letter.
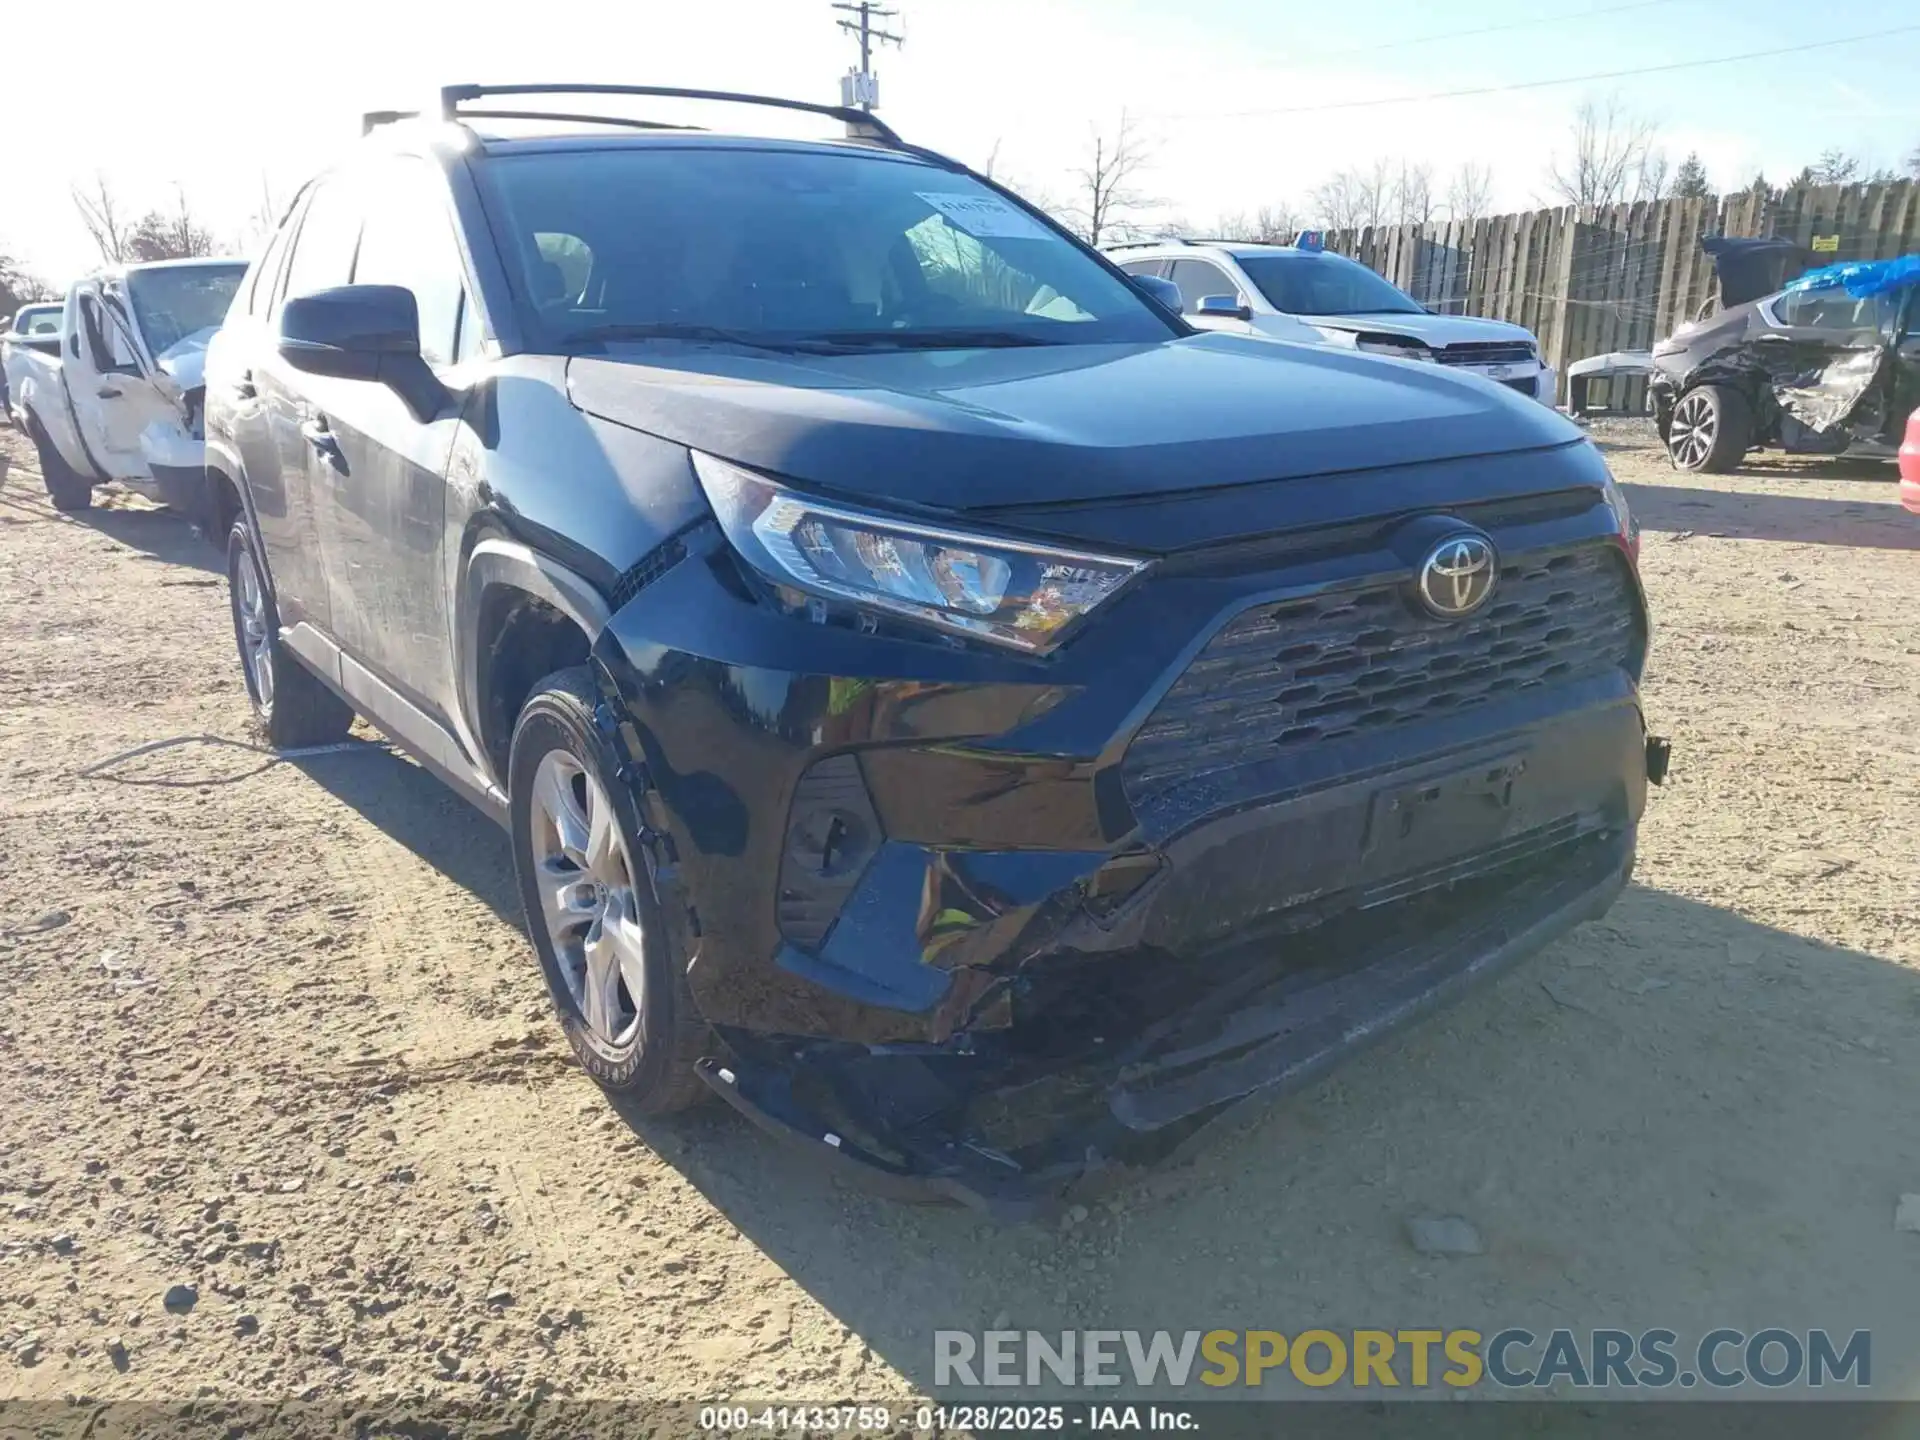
x: 1423, y: 822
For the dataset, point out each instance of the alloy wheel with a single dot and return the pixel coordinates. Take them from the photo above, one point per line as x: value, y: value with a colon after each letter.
x: 256, y: 634
x: 585, y: 878
x: 1694, y: 429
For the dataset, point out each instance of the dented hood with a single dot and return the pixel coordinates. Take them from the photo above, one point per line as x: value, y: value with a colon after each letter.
x: 185, y: 361
x: 965, y: 429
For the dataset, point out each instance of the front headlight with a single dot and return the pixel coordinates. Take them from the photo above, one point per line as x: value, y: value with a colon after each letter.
x: 1399, y: 349
x: 1024, y: 596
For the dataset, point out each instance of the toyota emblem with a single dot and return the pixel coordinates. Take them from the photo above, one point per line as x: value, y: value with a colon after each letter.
x: 1458, y: 575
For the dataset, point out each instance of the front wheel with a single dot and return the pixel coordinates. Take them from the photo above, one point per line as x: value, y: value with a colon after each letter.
x: 587, y: 881
x: 1711, y: 429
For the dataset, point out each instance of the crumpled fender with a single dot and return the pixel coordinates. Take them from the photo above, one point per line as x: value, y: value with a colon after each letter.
x: 1822, y: 390
x: 166, y: 445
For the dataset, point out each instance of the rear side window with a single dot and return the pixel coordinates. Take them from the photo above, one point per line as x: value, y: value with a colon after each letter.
x: 408, y: 241
x: 323, y: 250
x: 1197, y: 280
x: 1837, y: 310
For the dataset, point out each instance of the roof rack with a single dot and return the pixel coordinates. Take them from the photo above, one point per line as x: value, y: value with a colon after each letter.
x: 1148, y: 244
x: 861, y: 124
x: 373, y: 119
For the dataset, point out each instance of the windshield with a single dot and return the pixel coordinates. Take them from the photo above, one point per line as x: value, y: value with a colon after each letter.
x: 37, y: 320
x: 178, y: 300
x: 782, y: 247
x: 1304, y: 284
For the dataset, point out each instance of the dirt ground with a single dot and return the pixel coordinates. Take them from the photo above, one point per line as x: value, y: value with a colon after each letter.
x: 272, y: 1031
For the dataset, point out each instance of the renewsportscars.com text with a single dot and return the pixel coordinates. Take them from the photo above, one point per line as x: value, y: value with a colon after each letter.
x: 1512, y: 1358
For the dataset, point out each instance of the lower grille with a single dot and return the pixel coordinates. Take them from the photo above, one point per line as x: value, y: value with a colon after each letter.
x: 1485, y: 352
x: 1525, y: 386
x: 1350, y: 662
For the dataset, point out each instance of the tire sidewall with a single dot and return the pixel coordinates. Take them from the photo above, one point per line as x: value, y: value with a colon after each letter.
x: 561, y: 717
x: 240, y: 543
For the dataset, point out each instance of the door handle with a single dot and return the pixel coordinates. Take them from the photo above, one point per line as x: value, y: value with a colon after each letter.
x: 320, y: 437
x: 108, y: 392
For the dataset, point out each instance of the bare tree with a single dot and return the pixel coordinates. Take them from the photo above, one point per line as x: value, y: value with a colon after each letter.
x: 169, y: 235
x: 1613, y: 157
x: 1470, y: 192
x: 271, y: 206
x: 1651, y: 177
x: 18, y: 287
x: 1232, y: 225
x: 100, y: 212
x: 1412, y: 198
x: 1913, y: 163
x: 1277, y: 224
x: 1353, y: 199
x: 1107, y: 196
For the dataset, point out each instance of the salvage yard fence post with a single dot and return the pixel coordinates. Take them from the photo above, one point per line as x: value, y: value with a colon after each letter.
x: 1592, y: 280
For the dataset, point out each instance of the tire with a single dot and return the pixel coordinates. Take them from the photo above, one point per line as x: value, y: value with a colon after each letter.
x: 1711, y: 430
x: 613, y: 967
x: 291, y: 704
x: 66, y: 487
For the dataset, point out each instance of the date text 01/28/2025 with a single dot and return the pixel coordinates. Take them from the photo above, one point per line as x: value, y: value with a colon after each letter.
x: 880, y: 1419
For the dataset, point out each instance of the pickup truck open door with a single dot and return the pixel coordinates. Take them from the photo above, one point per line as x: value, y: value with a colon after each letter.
x: 110, y: 385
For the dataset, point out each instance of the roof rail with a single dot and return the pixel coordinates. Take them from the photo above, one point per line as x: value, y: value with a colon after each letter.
x: 861, y: 124
x: 373, y: 119
x: 1148, y: 244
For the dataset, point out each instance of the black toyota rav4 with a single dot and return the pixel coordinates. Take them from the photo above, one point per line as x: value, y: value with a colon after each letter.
x: 977, y: 725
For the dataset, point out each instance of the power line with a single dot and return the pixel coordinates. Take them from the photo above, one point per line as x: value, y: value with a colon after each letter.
x: 1544, y: 84
x: 1528, y: 24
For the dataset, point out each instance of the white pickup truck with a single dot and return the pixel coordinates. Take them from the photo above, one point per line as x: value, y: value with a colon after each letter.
x: 116, y: 392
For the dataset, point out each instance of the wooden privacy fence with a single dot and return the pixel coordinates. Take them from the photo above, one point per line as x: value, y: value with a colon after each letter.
x: 1587, y: 281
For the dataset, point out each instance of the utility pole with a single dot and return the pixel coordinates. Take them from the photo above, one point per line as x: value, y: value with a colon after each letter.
x: 861, y: 87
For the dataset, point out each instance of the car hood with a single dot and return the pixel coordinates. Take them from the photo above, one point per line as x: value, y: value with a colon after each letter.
x: 185, y: 361
x: 975, y: 429
x: 1435, y: 330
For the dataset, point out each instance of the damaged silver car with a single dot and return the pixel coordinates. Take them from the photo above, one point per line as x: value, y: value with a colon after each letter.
x: 1826, y: 364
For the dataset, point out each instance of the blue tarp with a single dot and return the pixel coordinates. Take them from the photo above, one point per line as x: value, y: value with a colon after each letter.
x: 1862, y: 278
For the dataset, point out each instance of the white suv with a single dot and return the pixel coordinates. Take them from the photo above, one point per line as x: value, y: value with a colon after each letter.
x: 1300, y: 292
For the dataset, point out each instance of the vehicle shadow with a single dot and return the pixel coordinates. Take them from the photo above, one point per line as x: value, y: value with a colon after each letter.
x: 155, y: 531
x: 1874, y: 521
x: 425, y: 815
x: 1673, y: 1117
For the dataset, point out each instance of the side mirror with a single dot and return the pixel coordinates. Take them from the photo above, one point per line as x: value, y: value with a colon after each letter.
x: 1223, y: 307
x: 362, y: 332
x: 1164, y: 293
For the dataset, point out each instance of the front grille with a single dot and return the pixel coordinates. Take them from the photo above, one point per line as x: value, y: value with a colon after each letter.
x: 1485, y: 352
x: 1351, y: 662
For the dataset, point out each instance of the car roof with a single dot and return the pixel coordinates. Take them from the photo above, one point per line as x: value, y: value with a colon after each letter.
x: 565, y: 139
x: 1238, y: 249
x: 191, y: 262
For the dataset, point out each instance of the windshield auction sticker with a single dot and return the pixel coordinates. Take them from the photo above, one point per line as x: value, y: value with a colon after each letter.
x: 986, y: 217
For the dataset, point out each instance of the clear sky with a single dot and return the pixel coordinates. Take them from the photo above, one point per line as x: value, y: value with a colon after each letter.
x: 219, y: 95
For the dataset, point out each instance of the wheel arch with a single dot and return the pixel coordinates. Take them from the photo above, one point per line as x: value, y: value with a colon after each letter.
x: 521, y: 615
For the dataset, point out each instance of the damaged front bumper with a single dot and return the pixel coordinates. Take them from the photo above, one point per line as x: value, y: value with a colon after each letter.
x: 885, y: 1121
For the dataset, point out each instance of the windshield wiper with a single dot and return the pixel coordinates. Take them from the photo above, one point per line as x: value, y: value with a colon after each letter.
x: 674, y: 330
x: 930, y: 339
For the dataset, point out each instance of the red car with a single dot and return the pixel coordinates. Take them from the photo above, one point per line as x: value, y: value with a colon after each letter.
x: 1910, y: 465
